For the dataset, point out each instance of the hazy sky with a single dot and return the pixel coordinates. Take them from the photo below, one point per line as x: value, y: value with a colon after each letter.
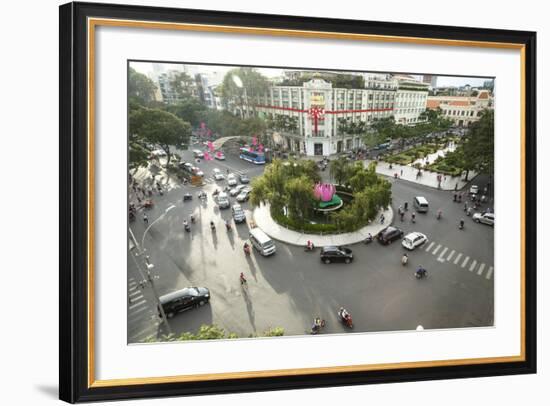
x: 442, y: 81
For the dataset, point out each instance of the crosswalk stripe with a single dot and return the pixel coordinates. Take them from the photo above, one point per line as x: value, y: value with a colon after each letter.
x: 436, y: 249
x: 133, y: 306
x: 136, y: 311
x: 443, y: 252
x: 450, y: 255
x: 147, y: 330
x: 135, y: 292
x: 481, y: 268
x: 465, y: 262
x: 473, y: 265
x: 489, y: 273
x: 430, y: 246
x: 457, y: 258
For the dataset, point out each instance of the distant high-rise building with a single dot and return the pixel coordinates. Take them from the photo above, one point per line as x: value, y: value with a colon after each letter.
x: 431, y: 79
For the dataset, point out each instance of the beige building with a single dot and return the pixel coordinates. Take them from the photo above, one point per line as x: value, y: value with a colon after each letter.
x: 462, y: 110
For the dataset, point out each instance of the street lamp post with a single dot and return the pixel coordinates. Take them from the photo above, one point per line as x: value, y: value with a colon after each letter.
x: 149, y: 266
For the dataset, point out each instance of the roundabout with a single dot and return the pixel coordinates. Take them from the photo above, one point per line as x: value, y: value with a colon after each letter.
x: 263, y: 220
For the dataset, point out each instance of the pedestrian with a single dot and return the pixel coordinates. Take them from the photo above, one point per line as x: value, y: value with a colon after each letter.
x: 456, y: 186
x: 382, y: 219
x: 406, y: 206
x: 402, y: 215
x: 401, y: 172
x: 145, y: 218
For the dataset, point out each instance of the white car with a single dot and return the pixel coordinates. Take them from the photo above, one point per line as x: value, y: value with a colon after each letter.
x: 236, y: 190
x: 198, y: 172
x: 474, y: 189
x: 218, y: 175
x: 198, y: 153
x: 231, y: 180
x: 413, y: 240
x: 220, y: 156
x: 485, y: 218
x: 244, y: 195
x: 223, y: 201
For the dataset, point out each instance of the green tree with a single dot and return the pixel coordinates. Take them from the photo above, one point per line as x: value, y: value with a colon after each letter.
x: 339, y: 170
x: 160, y: 128
x: 270, y: 187
x: 182, y: 85
x: 300, y: 200
x: 190, y: 110
x: 141, y: 89
x: 242, y: 85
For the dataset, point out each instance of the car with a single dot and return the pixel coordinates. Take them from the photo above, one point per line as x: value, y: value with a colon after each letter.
x: 389, y: 235
x: 158, y: 153
x: 219, y: 176
x: 197, y: 171
x: 474, y: 189
x: 236, y: 190
x: 238, y: 213
x: 231, y: 180
x: 223, y: 200
x: 336, y: 254
x: 198, y: 153
x: 485, y: 218
x: 244, y: 178
x: 220, y: 156
x: 244, y: 195
x: 183, y: 299
x: 413, y: 240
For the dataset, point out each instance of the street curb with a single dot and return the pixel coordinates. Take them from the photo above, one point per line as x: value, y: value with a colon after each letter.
x: 300, y: 239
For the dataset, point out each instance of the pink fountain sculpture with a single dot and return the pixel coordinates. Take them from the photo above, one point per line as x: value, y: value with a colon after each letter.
x: 324, y: 191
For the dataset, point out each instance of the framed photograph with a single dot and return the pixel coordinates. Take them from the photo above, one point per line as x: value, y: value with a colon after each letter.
x: 262, y: 202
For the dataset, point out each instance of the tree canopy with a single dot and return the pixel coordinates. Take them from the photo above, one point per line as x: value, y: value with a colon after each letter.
x: 141, y: 89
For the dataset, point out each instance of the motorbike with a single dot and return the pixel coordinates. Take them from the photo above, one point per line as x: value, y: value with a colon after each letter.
x: 215, y: 193
x: 309, y: 248
x: 132, y: 216
x: 439, y: 215
x: 228, y: 226
x: 186, y: 226
x: 212, y: 226
x: 345, y: 317
x: 461, y: 225
x: 246, y: 249
x: 404, y: 260
x: 192, y: 219
x: 318, y: 324
x: 369, y: 239
x: 421, y: 273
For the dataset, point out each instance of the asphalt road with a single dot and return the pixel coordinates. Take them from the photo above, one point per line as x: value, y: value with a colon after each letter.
x: 291, y: 287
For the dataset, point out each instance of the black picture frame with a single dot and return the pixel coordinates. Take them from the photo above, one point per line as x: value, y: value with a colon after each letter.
x: 74, y: 380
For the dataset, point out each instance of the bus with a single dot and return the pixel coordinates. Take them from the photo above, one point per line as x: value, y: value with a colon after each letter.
x: 257, y: 158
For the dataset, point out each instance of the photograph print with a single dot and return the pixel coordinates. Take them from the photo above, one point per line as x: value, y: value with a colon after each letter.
x: 269, y: 202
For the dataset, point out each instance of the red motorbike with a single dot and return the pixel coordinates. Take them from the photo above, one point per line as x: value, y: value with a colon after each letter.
x: 345, y: 317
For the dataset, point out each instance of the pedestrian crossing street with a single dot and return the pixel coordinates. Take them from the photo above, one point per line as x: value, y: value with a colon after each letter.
x: 142, y: 321
x: 459, y: 259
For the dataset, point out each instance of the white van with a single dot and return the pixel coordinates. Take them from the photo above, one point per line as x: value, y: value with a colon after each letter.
x: 421, y: 204
x: 262, y: 242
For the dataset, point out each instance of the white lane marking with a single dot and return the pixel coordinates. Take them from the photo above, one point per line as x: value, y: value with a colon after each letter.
x: 147, y: 330
x: 137, y: 311
x: 137, y: 292
x: 137, y: 304
x: 473, y: 265
x: 436, y: 249
x: 450, y: 255
x: 481, y: 268
x: 443, y: 252
x: 430, y: 246
x: 465, y: 262
x: 489, y: 273
x: 457, y: 258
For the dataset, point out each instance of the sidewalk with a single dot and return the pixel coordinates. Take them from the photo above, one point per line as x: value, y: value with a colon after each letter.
x: 265, y: 222
x: 408, y: 173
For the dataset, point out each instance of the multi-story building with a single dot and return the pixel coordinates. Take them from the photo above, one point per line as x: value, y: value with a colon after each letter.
x: 410, y: 100
x: 323, y: 120
x: 462, y: 110
x: 173, y: 91
x: 207, y: 89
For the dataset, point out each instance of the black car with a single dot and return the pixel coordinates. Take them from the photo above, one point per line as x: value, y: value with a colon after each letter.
x: 184, y: 299
x: 336, y: 254
x: 244, y: 178
x: 389, y: 235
